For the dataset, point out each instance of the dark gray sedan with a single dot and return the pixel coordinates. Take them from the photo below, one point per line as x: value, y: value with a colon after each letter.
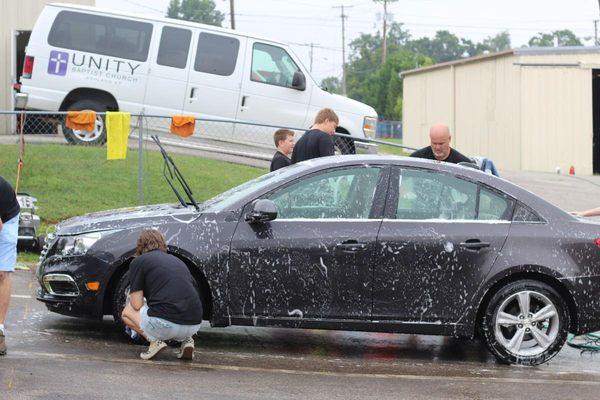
x: 366, y: 243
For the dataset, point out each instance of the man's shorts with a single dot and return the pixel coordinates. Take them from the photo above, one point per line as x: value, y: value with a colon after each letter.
x: 8, y: 245
x: 160, y: 329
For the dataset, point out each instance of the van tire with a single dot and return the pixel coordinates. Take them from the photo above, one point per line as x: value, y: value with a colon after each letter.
x: 98, y: 137
x: 343, y: 145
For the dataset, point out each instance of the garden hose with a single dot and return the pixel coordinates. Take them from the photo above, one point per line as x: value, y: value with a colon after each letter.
x: 588, y: 342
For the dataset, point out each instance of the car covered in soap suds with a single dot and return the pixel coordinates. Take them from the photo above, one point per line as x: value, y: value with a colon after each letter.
x: 364, y: 243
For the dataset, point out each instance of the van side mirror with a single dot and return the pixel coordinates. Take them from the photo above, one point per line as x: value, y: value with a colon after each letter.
x: 263, y: 210
x: 299, y: 81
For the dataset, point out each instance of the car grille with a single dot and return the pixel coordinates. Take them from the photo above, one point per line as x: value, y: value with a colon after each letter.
x: 60, y: 285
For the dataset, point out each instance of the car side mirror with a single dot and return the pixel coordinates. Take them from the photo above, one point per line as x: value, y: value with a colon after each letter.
x: 299, y: 81
x: 263, y: 210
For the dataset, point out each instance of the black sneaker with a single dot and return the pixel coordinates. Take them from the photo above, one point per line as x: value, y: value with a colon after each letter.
x: 2, y: 344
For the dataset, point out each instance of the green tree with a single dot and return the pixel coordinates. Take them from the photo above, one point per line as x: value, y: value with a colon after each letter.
x: 497, y: 43
x: 332, y: 84
x: 560, y: 38
x: 445, y: 46
x: 202, y: 11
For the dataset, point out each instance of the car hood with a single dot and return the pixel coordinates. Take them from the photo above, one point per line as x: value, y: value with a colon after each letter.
x: 122, y: 218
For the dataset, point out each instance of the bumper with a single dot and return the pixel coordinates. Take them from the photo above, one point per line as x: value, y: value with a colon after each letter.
x: 63, y: 285
x: 586, y: 294
x: 21, y: 100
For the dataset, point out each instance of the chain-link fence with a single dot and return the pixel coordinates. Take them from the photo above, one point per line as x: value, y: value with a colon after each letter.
x: 389, y: 129
x: 235, y: 138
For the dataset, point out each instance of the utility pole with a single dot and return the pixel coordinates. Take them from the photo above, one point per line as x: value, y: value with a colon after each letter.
x: 384, y: 50
x: 595, y: 32
x: 344, y: 16
x: 385, y: 20
x: 232, y: 12
x: 312, y: 45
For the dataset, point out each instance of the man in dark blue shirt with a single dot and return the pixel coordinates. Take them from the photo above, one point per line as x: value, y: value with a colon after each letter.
x: 318, y: 140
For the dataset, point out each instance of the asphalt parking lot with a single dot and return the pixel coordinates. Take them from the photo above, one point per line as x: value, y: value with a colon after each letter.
x: 56, y: 357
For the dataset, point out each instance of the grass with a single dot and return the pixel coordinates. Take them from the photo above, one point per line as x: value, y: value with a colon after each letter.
x: 399, y: 151
x: 74, y: 180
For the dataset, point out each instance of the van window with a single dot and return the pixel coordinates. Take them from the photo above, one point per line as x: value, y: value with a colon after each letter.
x: 272, y: 65
x: 102, y: 35
x: 174, y: 47
x: 216, y: 54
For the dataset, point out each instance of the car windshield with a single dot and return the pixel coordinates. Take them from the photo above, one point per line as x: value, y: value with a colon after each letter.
x: 226, y: 199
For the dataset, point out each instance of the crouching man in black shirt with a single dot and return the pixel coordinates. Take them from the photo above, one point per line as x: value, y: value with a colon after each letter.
x: 440, y: 147
x: 173, y: 309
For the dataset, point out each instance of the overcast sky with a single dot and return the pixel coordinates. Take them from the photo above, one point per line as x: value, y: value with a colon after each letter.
x: 300, y: 22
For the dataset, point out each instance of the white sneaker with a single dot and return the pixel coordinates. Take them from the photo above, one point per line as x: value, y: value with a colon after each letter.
x: 186, y: 351
x: 153, y: 349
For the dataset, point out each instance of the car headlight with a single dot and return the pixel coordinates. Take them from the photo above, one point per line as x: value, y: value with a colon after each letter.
x: 370, y: 127
x: 80, y: 244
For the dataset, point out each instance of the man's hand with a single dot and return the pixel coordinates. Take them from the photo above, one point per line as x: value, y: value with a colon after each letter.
x: 1, y: 225
x: 136, y: 299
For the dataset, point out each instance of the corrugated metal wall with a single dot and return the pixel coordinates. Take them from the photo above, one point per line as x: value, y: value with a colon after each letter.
x: 521, y: 116
x: 15, y: 16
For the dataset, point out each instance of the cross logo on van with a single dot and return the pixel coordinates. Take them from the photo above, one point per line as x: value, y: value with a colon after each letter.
x: 58, y: 63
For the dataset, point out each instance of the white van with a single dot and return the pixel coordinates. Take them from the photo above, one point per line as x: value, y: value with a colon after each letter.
x: 86, y: 58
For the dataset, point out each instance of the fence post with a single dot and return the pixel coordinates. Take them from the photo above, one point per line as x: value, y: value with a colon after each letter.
x: 141, y: 158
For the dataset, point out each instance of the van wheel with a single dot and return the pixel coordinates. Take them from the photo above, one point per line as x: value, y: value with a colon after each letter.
x: 526, y: 322
x: 96, y: 137
x: 343, y: 145
x: 119, y: 297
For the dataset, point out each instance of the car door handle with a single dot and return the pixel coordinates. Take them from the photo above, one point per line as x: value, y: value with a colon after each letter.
x: 244, y: 98
x: 193, y: 94
x: 474, y: 244
x: 351, y: 246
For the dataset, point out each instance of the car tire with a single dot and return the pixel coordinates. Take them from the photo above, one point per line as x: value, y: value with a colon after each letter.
x: 527, y: 338
x: 119, y: 298
x: 94, y: 138
x: 343, y: 145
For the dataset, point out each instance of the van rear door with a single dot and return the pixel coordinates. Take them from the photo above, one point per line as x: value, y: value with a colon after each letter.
x: 169, y: 67
x: 213, y: 89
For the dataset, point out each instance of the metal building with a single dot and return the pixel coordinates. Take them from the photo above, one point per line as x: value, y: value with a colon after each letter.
x: 16, y: 22
x: 526, y: 109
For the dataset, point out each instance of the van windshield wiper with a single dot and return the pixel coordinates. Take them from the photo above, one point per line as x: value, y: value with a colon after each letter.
x: 171, y: 171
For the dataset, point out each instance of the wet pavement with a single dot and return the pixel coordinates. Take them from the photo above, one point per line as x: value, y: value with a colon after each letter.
x: 57, y: 357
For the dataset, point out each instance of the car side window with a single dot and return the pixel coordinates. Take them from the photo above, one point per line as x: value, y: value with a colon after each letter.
x: 427, y: 195
x: 272, y: 65
x: 493, y: 206
x: 524, y: 214
x: 174, y: 47
x: 343, y: 193
x: 216, y: 54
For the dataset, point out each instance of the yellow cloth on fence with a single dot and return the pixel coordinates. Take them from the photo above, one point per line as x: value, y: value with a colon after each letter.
x: 81, y: 120
x: 183, y: 125
x: 117, y: 135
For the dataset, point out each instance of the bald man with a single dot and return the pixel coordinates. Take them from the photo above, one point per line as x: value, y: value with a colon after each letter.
x: 440, y: 149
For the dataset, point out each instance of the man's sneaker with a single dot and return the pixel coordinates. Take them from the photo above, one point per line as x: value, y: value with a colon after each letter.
x: 2, y: 344
x: 186, y: 352
x: 153, y: 349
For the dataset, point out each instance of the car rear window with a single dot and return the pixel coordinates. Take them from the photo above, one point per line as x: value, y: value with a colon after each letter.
x: 115, y: 37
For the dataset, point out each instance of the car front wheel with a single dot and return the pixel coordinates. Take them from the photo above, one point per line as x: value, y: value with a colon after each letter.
x: 526, y: 322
